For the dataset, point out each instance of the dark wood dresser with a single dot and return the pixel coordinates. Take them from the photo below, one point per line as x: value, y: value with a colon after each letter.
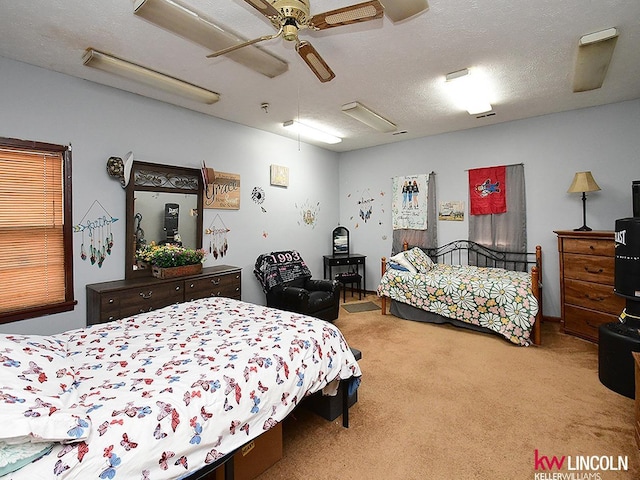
x: 587, y: 299
x: 122, y: 298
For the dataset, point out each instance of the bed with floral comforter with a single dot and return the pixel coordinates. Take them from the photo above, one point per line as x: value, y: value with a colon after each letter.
x: 499, y: 300
x: 160, y: 394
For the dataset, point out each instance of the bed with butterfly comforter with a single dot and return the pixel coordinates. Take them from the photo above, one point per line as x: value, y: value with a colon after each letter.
x: 160, y: 394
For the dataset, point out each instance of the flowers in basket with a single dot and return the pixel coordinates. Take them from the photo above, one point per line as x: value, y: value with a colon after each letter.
x: 169, y: 255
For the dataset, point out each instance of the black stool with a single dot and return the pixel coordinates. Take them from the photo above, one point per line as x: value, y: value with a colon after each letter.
x: 351, y: 278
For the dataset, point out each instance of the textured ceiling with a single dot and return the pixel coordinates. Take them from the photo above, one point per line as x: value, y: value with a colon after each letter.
x: 526, y: 49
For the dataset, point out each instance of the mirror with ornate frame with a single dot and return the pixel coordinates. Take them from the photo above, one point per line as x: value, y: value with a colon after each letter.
x: 164, y: 205
x: 340, y: 241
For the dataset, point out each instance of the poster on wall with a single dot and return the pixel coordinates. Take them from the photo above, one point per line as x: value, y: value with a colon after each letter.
x: 223, y: 191
x: 409, y: 202
x: 452, y: 211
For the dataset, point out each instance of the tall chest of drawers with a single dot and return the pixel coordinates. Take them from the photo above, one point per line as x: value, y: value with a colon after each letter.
x: 122, y: 298
x: 586, y: 282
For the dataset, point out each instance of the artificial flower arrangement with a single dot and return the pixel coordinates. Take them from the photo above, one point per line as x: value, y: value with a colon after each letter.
x: 169, y: 255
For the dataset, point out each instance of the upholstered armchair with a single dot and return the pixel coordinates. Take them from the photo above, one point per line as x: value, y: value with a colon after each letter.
x: 287, y: 283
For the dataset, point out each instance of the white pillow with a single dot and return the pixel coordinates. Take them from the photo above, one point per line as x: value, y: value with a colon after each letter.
x: 401, y: 259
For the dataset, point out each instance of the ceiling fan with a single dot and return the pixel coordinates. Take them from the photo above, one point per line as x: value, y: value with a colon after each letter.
x: 291, y: 16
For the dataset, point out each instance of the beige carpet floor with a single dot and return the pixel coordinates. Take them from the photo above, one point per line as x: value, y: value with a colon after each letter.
x: 437, y: 402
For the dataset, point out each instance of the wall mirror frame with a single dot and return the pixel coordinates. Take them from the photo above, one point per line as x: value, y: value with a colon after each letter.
x: 155, y: 188
x: 340, y: 241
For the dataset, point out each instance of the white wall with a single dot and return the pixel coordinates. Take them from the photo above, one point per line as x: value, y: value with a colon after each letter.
x: 605, y: 140
x: 100, y: 122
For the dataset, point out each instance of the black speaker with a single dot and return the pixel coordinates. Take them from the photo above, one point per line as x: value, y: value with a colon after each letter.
x: 635, y: 192
x: 627, y: 258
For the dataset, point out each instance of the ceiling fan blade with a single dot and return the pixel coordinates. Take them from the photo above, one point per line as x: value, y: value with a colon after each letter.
x: 361, y: 12
x: 233, y: 48
x: 398, y: 10
x: 264, y: 7
x: 315, y: 62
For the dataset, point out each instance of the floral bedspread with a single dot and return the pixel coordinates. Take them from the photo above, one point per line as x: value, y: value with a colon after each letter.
x: 497, y: 299
x: 164, y: 393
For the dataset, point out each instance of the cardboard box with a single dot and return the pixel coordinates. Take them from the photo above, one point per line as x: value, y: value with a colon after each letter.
x: 256, y: 456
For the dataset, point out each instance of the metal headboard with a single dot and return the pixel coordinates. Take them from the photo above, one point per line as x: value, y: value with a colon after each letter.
x: 466, y: 252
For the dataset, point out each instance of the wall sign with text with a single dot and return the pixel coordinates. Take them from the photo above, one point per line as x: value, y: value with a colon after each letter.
x: 223, y: 192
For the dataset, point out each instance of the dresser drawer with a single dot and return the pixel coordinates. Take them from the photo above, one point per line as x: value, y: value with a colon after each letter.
x: 150, y: 297
x: 347, y: 261
x: 585, y: 323
x: 591, y: 268
x: 215, y: 286
x: 593, y: 295
x: 589, y: 246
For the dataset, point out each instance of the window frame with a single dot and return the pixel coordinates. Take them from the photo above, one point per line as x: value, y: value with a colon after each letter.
x: 69, y: 301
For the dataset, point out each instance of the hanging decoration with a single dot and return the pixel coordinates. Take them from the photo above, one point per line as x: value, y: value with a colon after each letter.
x: 217, y: 232
x: 100, y: 236
x: 365, y: 205
x: 308, y: 213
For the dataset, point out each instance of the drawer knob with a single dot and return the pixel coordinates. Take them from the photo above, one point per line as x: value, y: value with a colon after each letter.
x: 177, y: 288
x: 146, y: 296
x: 215, y: 281
x: 191, y: 286
x: 586, y: 269
x: 111, y: 300
x: 595, y: 299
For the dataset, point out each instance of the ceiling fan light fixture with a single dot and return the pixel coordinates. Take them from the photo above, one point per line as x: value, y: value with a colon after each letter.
x: 311, y: 133
x: 195, y: 27
x: 368, y: 117
x: 468, y: 92
x: 595, y: 51
x: 137, y: 73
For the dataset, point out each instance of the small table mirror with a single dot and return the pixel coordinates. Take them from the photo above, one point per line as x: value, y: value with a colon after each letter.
x: 340, y: 238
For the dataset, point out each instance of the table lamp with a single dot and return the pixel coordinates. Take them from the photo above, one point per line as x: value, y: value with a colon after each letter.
x: 583, y: 182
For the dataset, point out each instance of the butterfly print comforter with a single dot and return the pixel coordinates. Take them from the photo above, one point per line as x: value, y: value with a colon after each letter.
x: 494, y: 298
x: 164, y: 393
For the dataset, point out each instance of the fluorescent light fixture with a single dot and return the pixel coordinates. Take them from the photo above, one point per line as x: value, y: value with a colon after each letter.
x: 368, y: 117
x: 310, y: 132
x: 594, y: 56
x: 117, y: 66
x: 195, y: 27
x: 468, y: 91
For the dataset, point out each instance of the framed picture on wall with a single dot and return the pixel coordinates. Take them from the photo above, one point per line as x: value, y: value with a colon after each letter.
x: 452, y: 211
x: 279, y: 176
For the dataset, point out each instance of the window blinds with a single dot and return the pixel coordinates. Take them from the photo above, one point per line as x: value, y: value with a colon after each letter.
x: 32, y: 260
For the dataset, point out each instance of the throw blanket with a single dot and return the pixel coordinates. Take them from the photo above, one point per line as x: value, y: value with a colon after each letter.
x: 279, y: 267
